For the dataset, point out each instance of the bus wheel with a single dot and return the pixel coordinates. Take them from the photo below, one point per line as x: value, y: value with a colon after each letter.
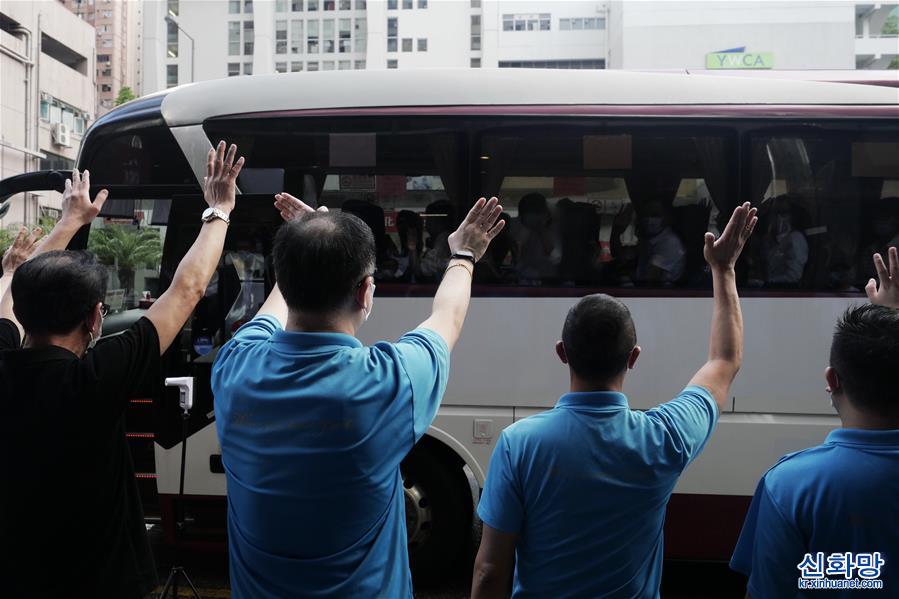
x: 438, y: 512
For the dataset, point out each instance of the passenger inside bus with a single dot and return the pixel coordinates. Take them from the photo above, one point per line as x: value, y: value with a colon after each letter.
x: 661, y: 256
x: 784, y: 249
x: 538, y: 252
x: 440, y: 220
x: 881, y: 233
x: 498, y: 266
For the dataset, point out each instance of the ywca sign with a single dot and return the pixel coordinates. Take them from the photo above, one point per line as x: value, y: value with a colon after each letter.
x: 739, y: 60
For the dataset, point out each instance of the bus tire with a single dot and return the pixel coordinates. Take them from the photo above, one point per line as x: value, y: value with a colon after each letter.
x: 438, y: 512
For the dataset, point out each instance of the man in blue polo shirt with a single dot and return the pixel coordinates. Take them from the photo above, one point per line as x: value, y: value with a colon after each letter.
x: 313, y: 425
x: 575, y: 497
x: 828, y: 516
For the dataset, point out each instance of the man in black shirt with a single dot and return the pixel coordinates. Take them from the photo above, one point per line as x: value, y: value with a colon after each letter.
x: 71, y: 522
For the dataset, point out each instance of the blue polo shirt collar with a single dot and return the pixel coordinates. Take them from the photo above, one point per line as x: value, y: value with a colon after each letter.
x: 593, y: 400
x: 305, y: 342
x: 857, y: 436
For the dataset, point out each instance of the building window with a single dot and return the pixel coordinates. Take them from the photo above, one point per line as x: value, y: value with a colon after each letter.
x: 233, y: 38
x: 105, y: 88
x: 296, y: 66
x: 247, y: 7
x: 360, y: 35
x: 345, y: 33
x: 422, y: 3
x: 391, y: 64
x: 475, y: 32
x: 296, y: 5
x: 359, y: 65
x: 422, y: 44
x: 55, y: 162
x: 103, y: 58
x: 579, y: 24
x: 280, y: 5
x: 234, y: 7
x: 171, y: 75
x: 233, y: 69
x: 476, y: 3
x: 296, y: 37
x: 248, y: 68
x: 45, y: 110
x: 538, y: 22
x: 346, y: 5
x: 407, y: 44
x: 280, y: 67
x: 311, y: 66
x: 327, y: 36
x: 588, y: 63
x: 281, y: 37
x: 55, y: 113
x: 391, y: 4
x: 171, y: 40
x: 328, y: 65
x: 361, y: 5
x: 392, y: 32
x: 344, y: 65
x: 80, y: 123
x: 476, y: 63
x: 407, y: 4
x: 249, y: 37
x: 312, y: 37
x: 312, y: 5
x: 106, y: 73
x: 171, y: 7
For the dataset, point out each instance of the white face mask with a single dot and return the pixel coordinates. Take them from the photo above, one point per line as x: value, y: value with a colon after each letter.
x: 92, y: 342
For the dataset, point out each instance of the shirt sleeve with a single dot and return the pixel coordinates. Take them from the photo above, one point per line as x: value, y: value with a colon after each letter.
x: 501, y: 506
x: 770, y: 547
x: 425, y: 358
x: 125, y: 364
x: 9, y: 335
x: 687, y: 423
x: 259, y: 329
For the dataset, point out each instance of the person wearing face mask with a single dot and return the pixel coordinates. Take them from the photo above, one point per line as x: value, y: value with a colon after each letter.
x: 784, y: 249
x: 63, y: 395
x: 313, y: 424
x: 661, y: 256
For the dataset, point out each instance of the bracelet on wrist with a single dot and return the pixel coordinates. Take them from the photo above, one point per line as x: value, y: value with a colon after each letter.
x: 469, y: 270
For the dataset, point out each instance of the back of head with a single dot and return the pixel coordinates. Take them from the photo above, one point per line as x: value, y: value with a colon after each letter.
x: 56, y: 291
x: 598, y: 336
x: 321, y: 259
x: 532, y: 203
x: 865, y: 355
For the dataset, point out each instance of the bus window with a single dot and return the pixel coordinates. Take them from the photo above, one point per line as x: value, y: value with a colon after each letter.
x: 827, y: 203
x: 595, y: 205
x: 127, y: 237
x: 405, y: 178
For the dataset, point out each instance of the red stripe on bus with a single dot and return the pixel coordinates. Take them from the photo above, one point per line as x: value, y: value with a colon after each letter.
x: 616, y: 110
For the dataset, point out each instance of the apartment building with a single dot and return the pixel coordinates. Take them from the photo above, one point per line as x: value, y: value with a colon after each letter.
x: 48, y: 98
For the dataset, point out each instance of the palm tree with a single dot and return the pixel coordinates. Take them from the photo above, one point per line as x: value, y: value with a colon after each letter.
x: 127, y: 249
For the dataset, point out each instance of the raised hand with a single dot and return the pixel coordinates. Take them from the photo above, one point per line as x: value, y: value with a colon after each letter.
x: 21, y: 249
x: 478, y: 229
x: 220, y: 182
x: 292, y: 208
x: 722, y: 253
x: 76, y: 199
x: 887, y: 293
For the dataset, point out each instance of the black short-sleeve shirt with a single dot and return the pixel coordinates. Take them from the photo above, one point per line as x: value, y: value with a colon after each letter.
x: 71, y: 521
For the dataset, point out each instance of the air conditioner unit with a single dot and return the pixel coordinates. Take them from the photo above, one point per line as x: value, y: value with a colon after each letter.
x: 61, y: 135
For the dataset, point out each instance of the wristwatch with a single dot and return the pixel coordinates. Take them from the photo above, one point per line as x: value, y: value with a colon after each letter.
x: 212, y: 213
x: 464, y: 255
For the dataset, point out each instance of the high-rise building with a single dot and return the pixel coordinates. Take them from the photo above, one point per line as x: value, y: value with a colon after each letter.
x: 117, y: 29
x: 49, y: 97
x: 185, y: 40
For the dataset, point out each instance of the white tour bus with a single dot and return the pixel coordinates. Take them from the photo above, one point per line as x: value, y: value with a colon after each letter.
x: 409, y: 151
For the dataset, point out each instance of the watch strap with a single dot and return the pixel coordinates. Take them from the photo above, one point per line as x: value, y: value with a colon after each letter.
x: 463, y: 256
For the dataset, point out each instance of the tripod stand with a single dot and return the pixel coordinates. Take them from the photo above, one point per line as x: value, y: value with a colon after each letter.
x: 186, y: 399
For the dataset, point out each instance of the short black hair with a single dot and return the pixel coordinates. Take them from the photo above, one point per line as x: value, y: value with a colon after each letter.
x: 54, y: 292
x: 321, y: 258
x: 865, y: 355
x: 532, y: 202
x: 598, y: 336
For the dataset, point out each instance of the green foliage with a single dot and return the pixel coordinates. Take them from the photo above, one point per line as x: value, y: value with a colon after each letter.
x: 7, y: 235
x: 890, y: 26
x: 126, y: 248
x: 894, y: 64
x: 125, y: 95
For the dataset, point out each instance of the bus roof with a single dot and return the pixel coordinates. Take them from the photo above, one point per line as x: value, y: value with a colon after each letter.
x: 194, y: 103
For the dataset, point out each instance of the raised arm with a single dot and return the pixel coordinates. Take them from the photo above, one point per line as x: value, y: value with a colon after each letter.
x: 726, y: 341
x: 169, y: 313
x: 77, y: 211
x: 22, y: 248
x: 451, y: 300
x: 887, y: 293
